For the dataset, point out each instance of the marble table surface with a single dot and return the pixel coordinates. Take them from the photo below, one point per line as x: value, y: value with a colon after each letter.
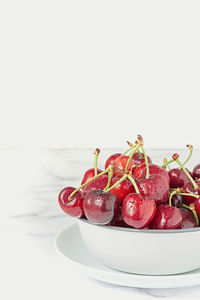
x: 30, y: 218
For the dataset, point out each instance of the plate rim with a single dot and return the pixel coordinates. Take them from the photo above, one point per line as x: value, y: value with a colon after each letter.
x: 160, y: 279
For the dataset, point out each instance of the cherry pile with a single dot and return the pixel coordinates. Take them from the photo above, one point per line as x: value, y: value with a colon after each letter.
x: 134, y: 192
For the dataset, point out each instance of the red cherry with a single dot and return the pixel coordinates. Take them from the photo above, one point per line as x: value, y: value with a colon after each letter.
x: 178, y: 178
x: 122, y: 189
x: 138, y: 159
x: 121, y: 161
x: 167, y: 217
x: 177, y: 200
x: 98, y: 183
x: 100, y: 207
x: 111, y: 159
x: 117, y: 220
x: 138, y: 211
x: 197, y: 206
x: 154, y: 187
x: 140, y: 172
x: 89, y: 174
x: 188, y: 219
x: 189, y: 188
x: 74, y: 207
x: 196, y: 172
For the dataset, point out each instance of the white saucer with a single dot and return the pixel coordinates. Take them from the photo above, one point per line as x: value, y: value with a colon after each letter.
x: 68, y: 243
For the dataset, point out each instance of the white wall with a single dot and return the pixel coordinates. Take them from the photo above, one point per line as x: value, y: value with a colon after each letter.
x: 95, y: 73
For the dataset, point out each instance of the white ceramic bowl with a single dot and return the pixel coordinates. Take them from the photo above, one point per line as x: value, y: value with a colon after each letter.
x: 150, y: 252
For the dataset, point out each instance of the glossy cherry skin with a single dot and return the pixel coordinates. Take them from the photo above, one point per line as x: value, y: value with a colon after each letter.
x: 189, y: 188
x: 188, y: 219
x: 140, y: 160
x: 117, y: 220
x: 154, y: 187
x: 121, y: 161
x: 140, y: 172
x: 137, y: 210
x: 177, y: 200
x: 177, y: 178
x: 167, y: 217
x: 196, y: 172
x: 74, y: 207
x: 100, y: 207
x: 98, y: 183
x: 197, y: 206
x: 122, y: 189
x: 89, y: 174
x: 111, y: 159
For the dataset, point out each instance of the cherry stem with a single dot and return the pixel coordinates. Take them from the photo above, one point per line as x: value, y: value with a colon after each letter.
x: 166, y: 163
x: 190, y: 147
x: 132, y: 146
x: 187, y: 194
x: 141, y: 143
x: 134, y: 183
x: 170, y: 197
x: 176, y: 192
x: 140, y: 154
x: 116, y: 183
x: 175, y: 157
x: 96, y: 155
x: 146, y: 161
x: 118, y: 171
x: 127, y: 151
x: 194, y: 213
x: 110, y: 176
x: 90, y: 180
x: 135, y: 149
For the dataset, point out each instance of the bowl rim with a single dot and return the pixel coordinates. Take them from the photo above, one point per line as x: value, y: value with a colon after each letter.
x: 149, y: 231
